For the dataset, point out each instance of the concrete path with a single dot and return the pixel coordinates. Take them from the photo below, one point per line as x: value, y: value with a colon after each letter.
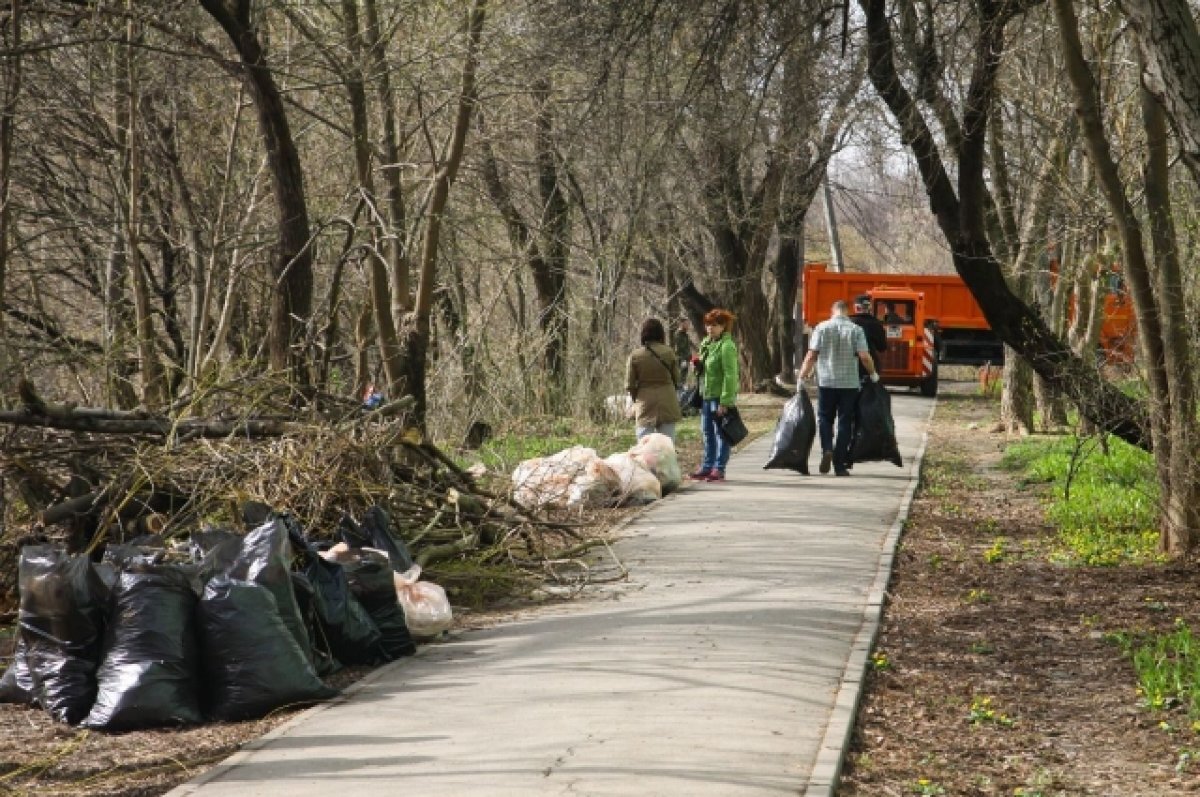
x: 729, y: 664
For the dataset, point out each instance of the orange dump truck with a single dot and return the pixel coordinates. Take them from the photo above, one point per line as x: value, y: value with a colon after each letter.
x: 934, y: 319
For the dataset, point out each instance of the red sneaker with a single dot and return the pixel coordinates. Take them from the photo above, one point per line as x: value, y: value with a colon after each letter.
x: 716, y: 476
x: 700, y: 475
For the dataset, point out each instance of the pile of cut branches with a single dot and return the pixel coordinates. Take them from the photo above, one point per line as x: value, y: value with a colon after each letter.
x: 68, y: 474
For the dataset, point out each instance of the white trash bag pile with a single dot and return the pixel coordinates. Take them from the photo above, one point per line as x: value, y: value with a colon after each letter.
x: 579, y: 477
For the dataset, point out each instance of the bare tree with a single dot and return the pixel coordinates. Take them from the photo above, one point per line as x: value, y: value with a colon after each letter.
x: 292, y: 293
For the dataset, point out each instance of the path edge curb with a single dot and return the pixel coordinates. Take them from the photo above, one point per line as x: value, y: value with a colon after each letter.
x: 831, y: 756
x: 234, y: 759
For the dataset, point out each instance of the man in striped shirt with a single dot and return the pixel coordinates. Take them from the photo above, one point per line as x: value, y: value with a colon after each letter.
x: 835, y: 350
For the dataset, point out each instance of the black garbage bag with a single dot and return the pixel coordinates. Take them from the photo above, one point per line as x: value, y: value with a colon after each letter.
x: 874, y: 430
x: 61, y: 619
x: 324, y: 662
x: 16, y: 686
x: 352, y: 635
x: 372, y: 583
x: 250, y: 661
x: 263, y: 556
x: 378, y: 526
x: 149, y: 673
x: 794, y: 435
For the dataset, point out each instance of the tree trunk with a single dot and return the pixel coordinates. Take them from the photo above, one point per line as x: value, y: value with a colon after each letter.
x: 1016, y: 396
x: 153, y: 392
x: 1170, y: 43
x: 8, y: 111
x: 962, y: 221
x: 550, y: 271
x: 399, y: 262
x: 1176, y: 460
x: 414, y: 334
x: 292, y: 292
x: 380, y: 280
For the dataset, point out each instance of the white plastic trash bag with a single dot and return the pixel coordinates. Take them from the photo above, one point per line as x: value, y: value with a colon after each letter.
x: 638, y: 485
x: 597, y: 485
x: 546, y: 481
x: 656, y: 453
x: 426, y: 608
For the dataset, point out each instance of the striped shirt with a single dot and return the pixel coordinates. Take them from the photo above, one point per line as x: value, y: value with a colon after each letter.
x: 837, y: 343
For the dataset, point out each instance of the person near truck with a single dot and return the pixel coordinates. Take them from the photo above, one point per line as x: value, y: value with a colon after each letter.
x: 872, y: 328
x: 717, y: 366
x: 836, y: 348
x: 876, y: 344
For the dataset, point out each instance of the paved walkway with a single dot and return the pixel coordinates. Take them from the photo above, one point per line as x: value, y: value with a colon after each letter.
x: 729, y: 664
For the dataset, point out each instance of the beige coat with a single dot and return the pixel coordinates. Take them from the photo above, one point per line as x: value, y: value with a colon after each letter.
x: 651, y: 377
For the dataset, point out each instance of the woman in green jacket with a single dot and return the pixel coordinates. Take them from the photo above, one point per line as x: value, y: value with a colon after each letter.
x: 718, y: 361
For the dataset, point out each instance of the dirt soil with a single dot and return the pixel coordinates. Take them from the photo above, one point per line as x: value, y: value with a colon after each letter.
x: 1030, y: 637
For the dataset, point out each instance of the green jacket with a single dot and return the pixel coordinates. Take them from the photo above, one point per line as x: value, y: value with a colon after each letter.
x: 720, y: 361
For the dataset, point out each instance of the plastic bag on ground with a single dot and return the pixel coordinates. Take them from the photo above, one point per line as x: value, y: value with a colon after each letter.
x: 371, y: 582
x: 656, y: 453
x: 377, y: 525
x: 427, y: 610
x: 350, y: 632
x: 546, y: 481
x: 874, y: 430
x: 252, y: 664
x: 596, y: 485
x: 149, y: 674
x: 324, y: 662
x: 794, y: 435
x: 16, y: 686
x: 263, y: 556
x: 638, y: 485
x: 61, y: 618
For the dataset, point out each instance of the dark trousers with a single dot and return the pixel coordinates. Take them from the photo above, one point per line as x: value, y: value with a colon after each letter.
x: 842, y: 403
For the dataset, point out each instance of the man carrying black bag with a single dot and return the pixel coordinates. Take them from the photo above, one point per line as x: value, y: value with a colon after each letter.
x: 835, y: 350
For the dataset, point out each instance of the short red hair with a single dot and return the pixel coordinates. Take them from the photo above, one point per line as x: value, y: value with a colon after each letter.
x: 719, y: 316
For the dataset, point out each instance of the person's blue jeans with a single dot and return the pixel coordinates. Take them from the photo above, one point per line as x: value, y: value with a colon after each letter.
x: 716, y: 450
x: 840, y: 403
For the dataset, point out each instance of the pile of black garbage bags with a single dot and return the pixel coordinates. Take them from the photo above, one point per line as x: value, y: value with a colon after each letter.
x: 228, y: 627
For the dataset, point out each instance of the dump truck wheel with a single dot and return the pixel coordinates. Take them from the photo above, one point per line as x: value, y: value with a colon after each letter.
x: 929, y: 385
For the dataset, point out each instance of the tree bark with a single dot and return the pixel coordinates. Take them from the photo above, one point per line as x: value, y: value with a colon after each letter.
x: 292, y: 293
x: 414, y: 335
x: 1177, y: 459
x: 8, y: 113
x: 1169, y: 40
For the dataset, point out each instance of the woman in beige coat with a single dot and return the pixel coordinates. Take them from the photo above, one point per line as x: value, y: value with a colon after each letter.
x: 652, y: 379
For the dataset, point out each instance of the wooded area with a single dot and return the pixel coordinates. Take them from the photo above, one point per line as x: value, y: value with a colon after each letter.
x: 473, y: 206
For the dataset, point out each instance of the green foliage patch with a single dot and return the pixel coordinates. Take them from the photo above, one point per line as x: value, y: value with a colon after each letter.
x: 1104, y: 504
x: 1168, y: 669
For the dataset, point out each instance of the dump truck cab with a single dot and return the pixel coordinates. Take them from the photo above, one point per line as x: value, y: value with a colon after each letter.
x: 911, y: 356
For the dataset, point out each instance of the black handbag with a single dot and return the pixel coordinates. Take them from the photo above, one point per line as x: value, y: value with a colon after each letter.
x: 731, y: 427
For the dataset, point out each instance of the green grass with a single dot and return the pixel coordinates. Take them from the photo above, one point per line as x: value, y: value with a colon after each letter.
x: 1168, y: 669
x: 1105, y: 506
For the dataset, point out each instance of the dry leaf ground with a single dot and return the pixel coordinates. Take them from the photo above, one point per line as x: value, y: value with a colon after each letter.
x: 1032, y: 639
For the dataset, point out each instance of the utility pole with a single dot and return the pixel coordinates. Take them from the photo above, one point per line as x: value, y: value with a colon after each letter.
x: 835, y: 243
